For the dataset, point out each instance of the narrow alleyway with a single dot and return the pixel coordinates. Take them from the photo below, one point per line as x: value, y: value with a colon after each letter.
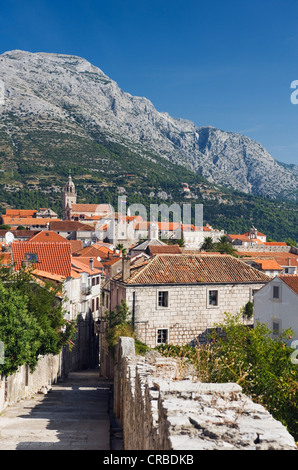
x: 74, y: 415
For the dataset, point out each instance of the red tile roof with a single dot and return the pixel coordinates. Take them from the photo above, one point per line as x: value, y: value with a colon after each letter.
x: 95, y: 208
x: 291, y: 280
x: 76, y: 245
x: 20, y: 213
x: 69, y: 226
x: 268, y: 264
x: 83, y: 266
x: 20, y: 233
x: 5, y: 258
x: 275, y: 244
x: 52, y: 257
x: 25, y: 221
x: 282, y: 258
x: 194, y: 269
x: 48, y: 236
x: 93, y: 251
x: 170, y: 249
x: 259, y: 234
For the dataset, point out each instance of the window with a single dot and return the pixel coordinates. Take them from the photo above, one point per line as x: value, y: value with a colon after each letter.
x: 32, y: 257
x: 163, y: 299
x: 162, y: 336
x: 276, y: 327
x: 213, y: 298
x: 275, y: 292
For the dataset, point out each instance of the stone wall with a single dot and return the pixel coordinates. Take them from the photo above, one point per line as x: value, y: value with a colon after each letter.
x: 23, y: 383
x: 263, y: 248
x: 162, y: 406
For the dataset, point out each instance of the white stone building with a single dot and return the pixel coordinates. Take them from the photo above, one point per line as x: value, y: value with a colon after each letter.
x: 177, y: 298
x: 276, y: 305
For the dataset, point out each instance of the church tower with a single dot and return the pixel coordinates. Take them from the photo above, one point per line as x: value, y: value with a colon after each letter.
x: 69, y: 197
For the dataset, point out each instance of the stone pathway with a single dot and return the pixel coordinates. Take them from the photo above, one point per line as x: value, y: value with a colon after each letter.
x: 74, y: 415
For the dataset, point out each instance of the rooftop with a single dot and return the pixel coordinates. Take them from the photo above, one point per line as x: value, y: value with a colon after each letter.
x: 48, y: 236
x: 95, y: 208
x: 291, y: 280
x: 268, y: 264
x: 194, y: 269
x: 69, y: 226
x: 52, y: 257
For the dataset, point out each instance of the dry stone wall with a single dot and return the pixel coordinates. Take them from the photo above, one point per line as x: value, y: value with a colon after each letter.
x: 161, y: 408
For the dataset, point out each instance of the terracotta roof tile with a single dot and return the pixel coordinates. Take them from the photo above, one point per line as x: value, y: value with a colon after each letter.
x: 52, y: 257
x: 69, y: 226
x: 106, y: 208
x: 20, y: 213
x: 193, y: 269
x: 275, y: 244
x: 282, y: 258
x: 92, y: 250
x: 268, y: 264
x: 76, y: 245
x: 48, y: 236
x: 291, y: 280
x: 170, y: 249
x: 27, y: 221
x: 83, y: 266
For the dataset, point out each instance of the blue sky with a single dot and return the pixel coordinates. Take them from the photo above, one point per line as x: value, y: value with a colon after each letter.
x: 225, y: 63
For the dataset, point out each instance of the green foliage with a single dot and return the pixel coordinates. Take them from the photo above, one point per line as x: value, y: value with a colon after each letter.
x: 291, y: 242
x: 119, y: 324
x: 31, y: 321
x: 222, y: 246
x: 252, y: 358
x: 19, y: 331
x: 249, y: 309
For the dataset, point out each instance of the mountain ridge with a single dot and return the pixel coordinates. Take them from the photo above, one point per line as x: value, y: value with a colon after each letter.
x: 49, y: 91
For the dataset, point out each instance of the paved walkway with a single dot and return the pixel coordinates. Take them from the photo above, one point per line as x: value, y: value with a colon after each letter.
x: 74, y: 415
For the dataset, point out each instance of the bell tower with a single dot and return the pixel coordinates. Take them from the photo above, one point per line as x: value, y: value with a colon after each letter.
x: 69, y: 197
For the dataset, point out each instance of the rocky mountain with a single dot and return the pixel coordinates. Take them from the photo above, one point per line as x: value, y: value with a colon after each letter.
x: 53, y: 98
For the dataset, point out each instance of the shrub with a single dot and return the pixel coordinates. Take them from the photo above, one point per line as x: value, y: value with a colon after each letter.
x: 252, y: 358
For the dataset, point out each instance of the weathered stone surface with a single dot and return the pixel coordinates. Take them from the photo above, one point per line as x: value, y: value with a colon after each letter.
x: 160, y: 413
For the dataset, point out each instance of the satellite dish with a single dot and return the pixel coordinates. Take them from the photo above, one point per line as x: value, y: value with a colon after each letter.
x: 98, y: 258
x: 9, y: 237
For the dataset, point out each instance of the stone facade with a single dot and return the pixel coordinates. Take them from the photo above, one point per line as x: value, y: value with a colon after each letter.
x: 188, y: 316
x: 159, y: 410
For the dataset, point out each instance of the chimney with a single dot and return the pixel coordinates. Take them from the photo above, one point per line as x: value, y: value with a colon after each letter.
x: 125, y: 268
x: 91, y: 263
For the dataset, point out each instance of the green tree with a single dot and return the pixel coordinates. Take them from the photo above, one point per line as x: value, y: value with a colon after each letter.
x: 32, y: 320
x: 19, y: 331
x: 208, y: 244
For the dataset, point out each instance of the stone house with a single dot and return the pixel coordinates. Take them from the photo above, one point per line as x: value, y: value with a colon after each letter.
x: 178, y: 298
x: 276, y: 305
